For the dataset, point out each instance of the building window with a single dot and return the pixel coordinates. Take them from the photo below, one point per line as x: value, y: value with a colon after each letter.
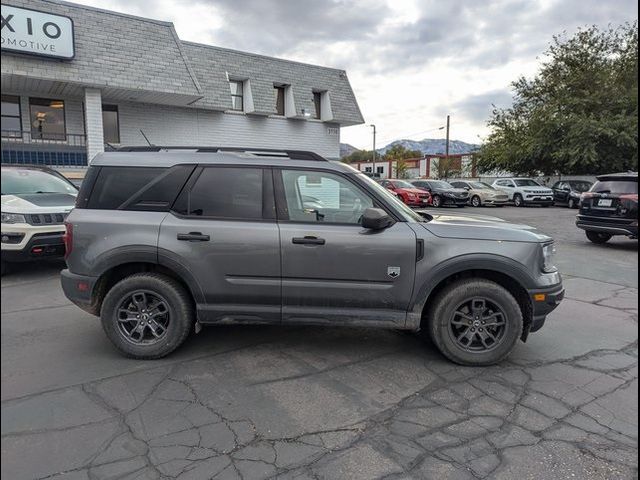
x: 110, y: 124
x: 47, y: 119
x: 11, y: 121
x: 317, y: 103
x: 379, y: 169
x: 279, y: 92
x: 237, y: 95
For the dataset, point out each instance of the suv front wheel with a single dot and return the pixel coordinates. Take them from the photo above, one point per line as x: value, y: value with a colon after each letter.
x: 518, y: 201
x: 147, y: 315
x: 475, y: 322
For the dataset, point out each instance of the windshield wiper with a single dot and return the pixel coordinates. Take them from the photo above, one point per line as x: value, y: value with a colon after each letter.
x: 603, y: 191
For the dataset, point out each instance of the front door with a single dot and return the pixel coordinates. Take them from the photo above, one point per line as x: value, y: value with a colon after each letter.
x: 333, y: 270
x: 222, y: 229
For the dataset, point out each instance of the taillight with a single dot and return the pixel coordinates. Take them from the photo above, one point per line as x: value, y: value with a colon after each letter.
x: 67, y: 238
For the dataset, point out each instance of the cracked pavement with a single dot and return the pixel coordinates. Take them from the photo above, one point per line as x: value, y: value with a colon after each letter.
x: 253, y: 402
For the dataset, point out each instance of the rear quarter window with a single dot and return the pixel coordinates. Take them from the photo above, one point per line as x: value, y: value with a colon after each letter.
x: 136, y: 188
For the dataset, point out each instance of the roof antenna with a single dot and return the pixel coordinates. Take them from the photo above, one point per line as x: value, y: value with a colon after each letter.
x: 145, y: 137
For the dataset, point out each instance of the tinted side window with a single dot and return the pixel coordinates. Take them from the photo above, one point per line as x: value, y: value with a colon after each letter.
x: 159, y: 194
x: 115, y: 185
x: 133, y: 188
x: 224, y: 192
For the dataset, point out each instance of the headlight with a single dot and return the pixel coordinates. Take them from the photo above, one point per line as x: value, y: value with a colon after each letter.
x: 13, y: 218
x: 549, y: 258
x: 411, y: 195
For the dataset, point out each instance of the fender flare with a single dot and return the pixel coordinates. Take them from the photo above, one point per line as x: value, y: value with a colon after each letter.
x: 488, y: 262
x: 153, y: 255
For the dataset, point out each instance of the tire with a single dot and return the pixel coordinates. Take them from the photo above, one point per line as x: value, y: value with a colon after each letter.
x: 4, y: 268
x: 476, y: 201
x: 436, y: 201
x: 572, y: 204
x: 598, y: 237
x: 179, y: 315
x: 443, y: 312
x: 518, y: 201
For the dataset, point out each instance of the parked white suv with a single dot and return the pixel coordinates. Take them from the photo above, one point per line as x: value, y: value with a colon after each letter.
x: 35, y: 204
x: 525, y: 191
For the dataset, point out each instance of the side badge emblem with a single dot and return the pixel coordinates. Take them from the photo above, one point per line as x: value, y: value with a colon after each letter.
x: 393, y: 272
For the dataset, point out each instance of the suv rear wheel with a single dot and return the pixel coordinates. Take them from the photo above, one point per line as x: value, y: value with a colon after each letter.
x: 475, y: 322
x: 598, y: 237
x: 147, y: 315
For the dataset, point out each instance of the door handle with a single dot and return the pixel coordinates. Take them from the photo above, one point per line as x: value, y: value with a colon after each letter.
x: 193, y: 237
x: 308, y: 240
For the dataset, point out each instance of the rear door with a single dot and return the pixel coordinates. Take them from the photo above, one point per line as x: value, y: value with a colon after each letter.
x: 222, y: 229
x: 333, y: 270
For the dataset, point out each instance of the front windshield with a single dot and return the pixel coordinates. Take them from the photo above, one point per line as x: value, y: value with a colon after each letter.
x: 402, y: 184
x: 407, y: 214
x: 526, y: 182
x: 440, y: 184
x: 20, y: 181
x: 481, y: 186
x: 580, y: 186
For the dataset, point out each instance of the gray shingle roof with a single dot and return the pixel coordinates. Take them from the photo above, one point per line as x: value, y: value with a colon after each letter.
x: 126, y: 52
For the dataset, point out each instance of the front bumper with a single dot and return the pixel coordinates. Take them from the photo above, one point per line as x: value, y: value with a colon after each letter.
x: 544, y: 301
x: 30, y: 244
x: 538, y: 200
x: 419, y: 202
x: 612, y: 226
x: 454, y: 200
x: 495, y: 201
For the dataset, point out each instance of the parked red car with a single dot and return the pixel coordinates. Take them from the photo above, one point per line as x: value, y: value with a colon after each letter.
x: 410, y: 195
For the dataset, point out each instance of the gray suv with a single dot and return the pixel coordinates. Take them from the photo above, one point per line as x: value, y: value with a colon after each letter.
x: 163, y: 241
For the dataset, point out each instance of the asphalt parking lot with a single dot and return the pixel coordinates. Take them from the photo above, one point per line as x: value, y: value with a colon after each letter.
x: 250, y: 402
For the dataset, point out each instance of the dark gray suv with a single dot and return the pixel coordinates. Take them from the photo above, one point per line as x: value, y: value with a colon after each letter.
x: 164, y: 241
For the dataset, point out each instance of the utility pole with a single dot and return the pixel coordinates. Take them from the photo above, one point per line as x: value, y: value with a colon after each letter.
x: 446, y: 153
x: 374, y: 151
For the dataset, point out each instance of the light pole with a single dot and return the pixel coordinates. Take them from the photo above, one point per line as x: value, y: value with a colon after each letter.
x: 374, y: 151
x: 447, y: 145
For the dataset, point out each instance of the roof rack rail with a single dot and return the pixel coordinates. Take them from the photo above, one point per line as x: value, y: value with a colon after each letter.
x: 260, y: 152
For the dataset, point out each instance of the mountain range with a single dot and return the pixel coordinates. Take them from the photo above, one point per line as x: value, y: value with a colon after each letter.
x: 428, y: 146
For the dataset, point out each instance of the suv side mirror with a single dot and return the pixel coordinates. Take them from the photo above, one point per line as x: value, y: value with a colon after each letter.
x: 376, y: 219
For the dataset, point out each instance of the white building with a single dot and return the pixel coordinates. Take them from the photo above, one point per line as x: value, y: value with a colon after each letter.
x: 75, y: 78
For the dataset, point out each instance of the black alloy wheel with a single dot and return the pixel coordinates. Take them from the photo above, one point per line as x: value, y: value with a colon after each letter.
x: 478, y: 325
x: 143, y: 317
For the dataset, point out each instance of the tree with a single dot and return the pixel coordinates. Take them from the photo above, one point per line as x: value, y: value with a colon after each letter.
x: 401, y: 169
x: 579, y: 115
x: 398, y: 152
x: 358, y: 156
x: 447, y: 167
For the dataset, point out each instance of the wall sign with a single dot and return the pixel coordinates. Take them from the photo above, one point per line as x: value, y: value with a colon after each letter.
x: 37, y: 33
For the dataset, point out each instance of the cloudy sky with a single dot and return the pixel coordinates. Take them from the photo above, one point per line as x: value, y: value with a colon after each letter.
x: 410, y: 62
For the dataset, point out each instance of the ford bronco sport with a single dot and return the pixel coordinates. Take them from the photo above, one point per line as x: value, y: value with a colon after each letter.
x: 164, y: 241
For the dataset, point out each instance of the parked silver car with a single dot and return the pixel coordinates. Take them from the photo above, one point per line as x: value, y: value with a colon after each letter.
x: 482, y: 194
x: 163, y: 242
